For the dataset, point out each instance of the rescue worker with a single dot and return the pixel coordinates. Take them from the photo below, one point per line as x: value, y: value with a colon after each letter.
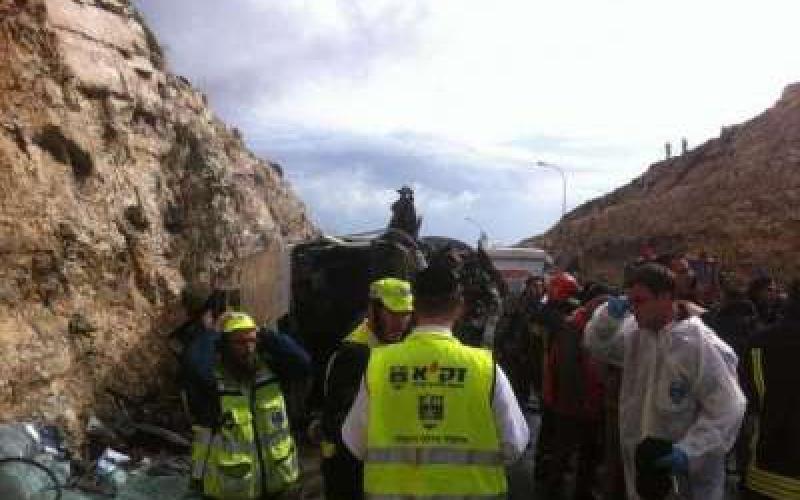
x: 551, y: 319
x: 198, y: 336
x: 435, y: 418
x: 387, y: 319
x: 242, y: 446
x: 734, y: 319
x: 774, y: 470
x: 679, y: 384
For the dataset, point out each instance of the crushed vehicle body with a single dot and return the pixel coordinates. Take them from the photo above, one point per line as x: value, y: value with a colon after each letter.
x: 330, y: 279
x: 330, y: 283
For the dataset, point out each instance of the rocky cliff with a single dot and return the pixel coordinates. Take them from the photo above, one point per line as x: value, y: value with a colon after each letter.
x: 117, y: 185
x: 736, y: 197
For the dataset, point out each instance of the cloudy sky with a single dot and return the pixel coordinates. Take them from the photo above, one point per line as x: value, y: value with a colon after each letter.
x: 459, y: 98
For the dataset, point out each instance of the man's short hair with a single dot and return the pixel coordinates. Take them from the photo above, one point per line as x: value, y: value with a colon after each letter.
x: 655, y: 277
x: 436, y: 290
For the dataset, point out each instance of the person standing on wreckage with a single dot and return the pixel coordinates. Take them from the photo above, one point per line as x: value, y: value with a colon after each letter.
x: 386, y: 322
x: 242, y: 447
x: 680, y: 402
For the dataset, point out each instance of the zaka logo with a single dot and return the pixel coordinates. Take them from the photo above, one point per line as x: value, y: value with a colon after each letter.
x: 398, y: 375
x: 442, y: 374
x: 431, y: 410
x: 429, y: 374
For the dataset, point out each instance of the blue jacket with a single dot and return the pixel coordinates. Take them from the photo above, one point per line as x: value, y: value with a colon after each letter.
x: 284, y: 356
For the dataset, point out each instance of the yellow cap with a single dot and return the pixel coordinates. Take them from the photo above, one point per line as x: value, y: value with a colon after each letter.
x: 394, y: 294
x: 237, y: 321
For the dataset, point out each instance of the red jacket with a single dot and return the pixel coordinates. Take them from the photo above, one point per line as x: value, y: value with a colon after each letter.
x: 572, y: 383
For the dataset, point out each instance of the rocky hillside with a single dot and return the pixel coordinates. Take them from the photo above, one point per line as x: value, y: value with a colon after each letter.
x: 736, y: 197
x: 117, y: 185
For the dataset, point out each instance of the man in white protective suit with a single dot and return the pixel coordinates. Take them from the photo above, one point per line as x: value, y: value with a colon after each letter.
x: 679, y: 384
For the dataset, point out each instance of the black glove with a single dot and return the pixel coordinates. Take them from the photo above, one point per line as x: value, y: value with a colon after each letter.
x: 653, y: 482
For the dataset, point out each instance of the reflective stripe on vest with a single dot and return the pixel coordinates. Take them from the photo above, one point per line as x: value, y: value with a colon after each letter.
x: 431, y: 432
x: 431, y: 456
x: 756, y: 356
x: 772, y: 485
x: 253, y: 419
x: 760, y: 480
x: 233, y: 446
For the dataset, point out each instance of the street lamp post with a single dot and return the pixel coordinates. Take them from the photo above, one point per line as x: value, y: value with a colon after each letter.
x: 560, y: 170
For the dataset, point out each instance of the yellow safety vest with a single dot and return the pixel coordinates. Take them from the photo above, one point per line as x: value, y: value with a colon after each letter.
x: 362, y: 335
x: 251, y: 447
x: 431, y: 431
x: 761, y: 480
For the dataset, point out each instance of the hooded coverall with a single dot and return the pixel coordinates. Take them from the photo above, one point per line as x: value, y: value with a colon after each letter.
x: 678, y: 384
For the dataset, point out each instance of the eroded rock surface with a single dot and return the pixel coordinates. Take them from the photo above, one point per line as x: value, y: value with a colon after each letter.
x: 117, y: 184
x: 736, y: 197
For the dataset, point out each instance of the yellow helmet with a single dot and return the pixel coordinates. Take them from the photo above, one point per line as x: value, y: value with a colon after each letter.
x: 394, y: 294
x: 237, y: 321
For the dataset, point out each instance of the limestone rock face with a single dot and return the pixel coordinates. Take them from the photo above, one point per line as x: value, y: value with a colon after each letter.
x: 736, y: 197
x: 117, y: 185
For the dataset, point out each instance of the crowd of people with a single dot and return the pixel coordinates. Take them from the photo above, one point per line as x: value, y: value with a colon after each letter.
x: 712, y: 382
x: 644, y: 392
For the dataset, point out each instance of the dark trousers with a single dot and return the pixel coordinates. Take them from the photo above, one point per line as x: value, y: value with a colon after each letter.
x: 741, y: 448
x: 574, y: 435
x: 545, y: 442
x: 535, y: 365
x: 343, y: 476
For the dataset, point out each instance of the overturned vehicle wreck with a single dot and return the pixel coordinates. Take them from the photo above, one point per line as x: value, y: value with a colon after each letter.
x: 330, y: 279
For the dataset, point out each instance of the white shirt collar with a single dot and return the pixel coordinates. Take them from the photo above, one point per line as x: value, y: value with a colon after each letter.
x: 437, y: 329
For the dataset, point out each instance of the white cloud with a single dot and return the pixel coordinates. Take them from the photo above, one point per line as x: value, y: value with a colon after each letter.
x: 442, y: 203
x: 352, y: 179
x: 346, y: 200
x: 487, y: 71
x: 461, y: 96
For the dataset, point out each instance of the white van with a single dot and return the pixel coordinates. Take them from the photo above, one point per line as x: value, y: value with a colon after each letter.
x: 518, y: 264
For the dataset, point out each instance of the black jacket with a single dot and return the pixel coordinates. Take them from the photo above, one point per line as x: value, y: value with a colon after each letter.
x: 342, y: 472
x: 733, y: 322
x: 778, y: 446
x: 346, y: 368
